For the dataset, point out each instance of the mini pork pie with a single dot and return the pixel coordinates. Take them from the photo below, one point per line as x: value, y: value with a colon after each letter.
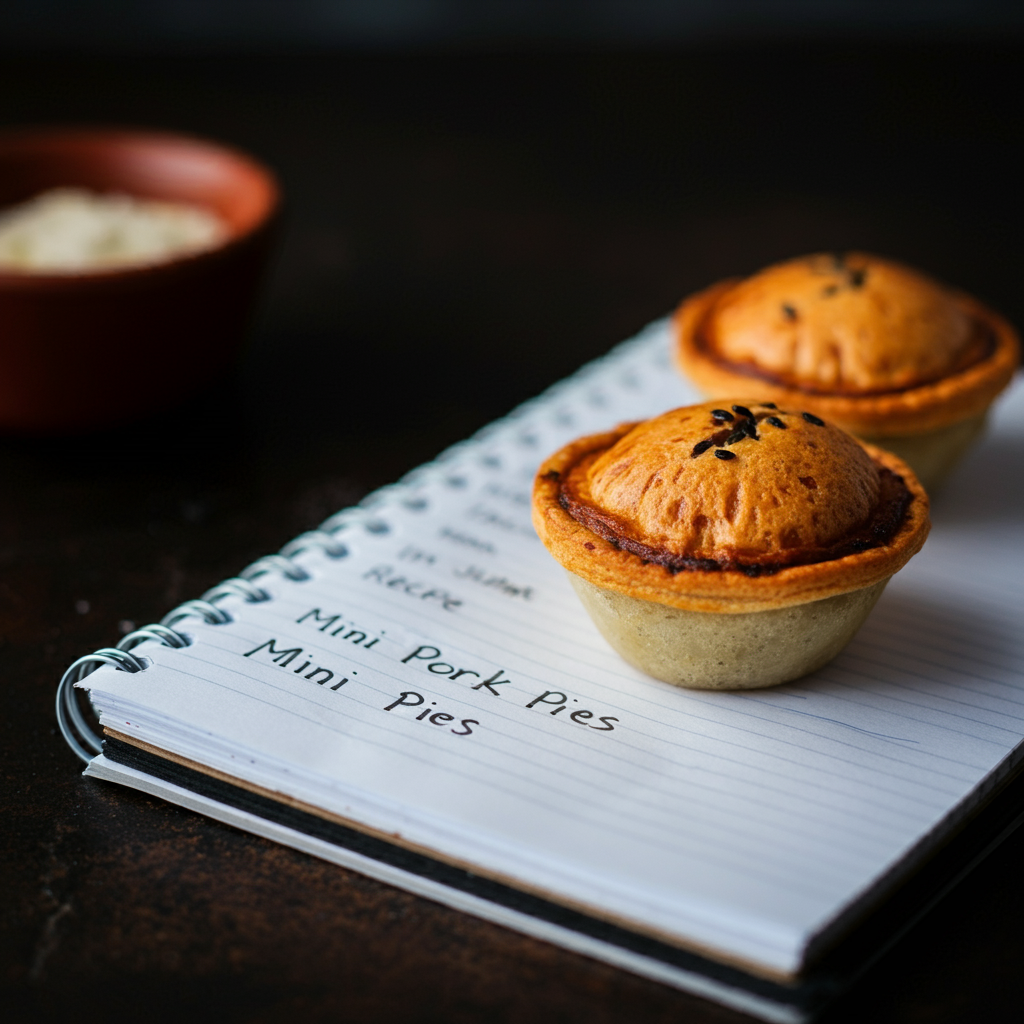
x: 729, y: 545
x: 875, y: 347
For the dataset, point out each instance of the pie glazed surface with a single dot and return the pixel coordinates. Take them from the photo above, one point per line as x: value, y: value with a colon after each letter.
x: 729, y: 506
x: 867, y: 342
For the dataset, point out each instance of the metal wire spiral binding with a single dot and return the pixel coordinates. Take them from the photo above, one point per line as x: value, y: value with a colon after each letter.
x: 314, y: 540
x: 274, y: 563
x: 77, y: 732
x: 208, y: 612
x: 69, y: 715
x: 72, y: 722
x: 349, y: 517
x: 237, y: 587
x: 154, y: 631
x: 342, y: 520
x: 365, y: 513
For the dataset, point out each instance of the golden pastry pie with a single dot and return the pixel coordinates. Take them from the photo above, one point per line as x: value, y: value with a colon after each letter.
x: 732, y: 544
x: 868, y: 344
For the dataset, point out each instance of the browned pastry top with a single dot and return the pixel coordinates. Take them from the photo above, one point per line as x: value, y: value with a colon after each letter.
x: 852, y: 323
x: 869, y: 343
x: 726, y: 506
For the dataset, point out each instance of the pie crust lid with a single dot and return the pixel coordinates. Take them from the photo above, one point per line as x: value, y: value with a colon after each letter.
x: 704, y: 532
x: 868, y: 342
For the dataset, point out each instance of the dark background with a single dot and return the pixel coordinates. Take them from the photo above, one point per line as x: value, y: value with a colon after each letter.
x: 477, y: 203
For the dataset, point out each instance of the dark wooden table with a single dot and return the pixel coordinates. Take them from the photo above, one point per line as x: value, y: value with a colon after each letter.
x: 463, y: 230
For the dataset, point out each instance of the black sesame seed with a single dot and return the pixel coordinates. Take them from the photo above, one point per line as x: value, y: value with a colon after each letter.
x: 743, y: 411
x: 857, y: 277
x: 811, y: 418
x: 749, y: 427
x: 776, y: 422
x: 768, y: 405
x: 788, y: 312
x: 701, y: 447
x: 721, y: 414
x: 736, y: 435
x: 721, y: 453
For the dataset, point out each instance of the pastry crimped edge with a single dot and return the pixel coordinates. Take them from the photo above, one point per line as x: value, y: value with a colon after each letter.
x: 600, y: 562
x: 913, y: 410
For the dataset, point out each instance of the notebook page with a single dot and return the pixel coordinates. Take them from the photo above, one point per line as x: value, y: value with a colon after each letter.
x: 442, y: 684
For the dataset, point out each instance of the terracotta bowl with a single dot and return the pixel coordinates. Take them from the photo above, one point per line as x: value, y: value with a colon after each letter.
x: 84, y: 350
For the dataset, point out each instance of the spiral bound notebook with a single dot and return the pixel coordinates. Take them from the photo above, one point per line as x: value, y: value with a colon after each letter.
x: 415, y: 692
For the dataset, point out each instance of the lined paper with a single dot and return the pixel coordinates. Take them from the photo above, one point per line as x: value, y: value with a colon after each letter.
x: 741, y: 823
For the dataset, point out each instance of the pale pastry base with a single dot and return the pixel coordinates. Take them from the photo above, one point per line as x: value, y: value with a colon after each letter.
x: 933, y: 455
x: 719, y: 651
